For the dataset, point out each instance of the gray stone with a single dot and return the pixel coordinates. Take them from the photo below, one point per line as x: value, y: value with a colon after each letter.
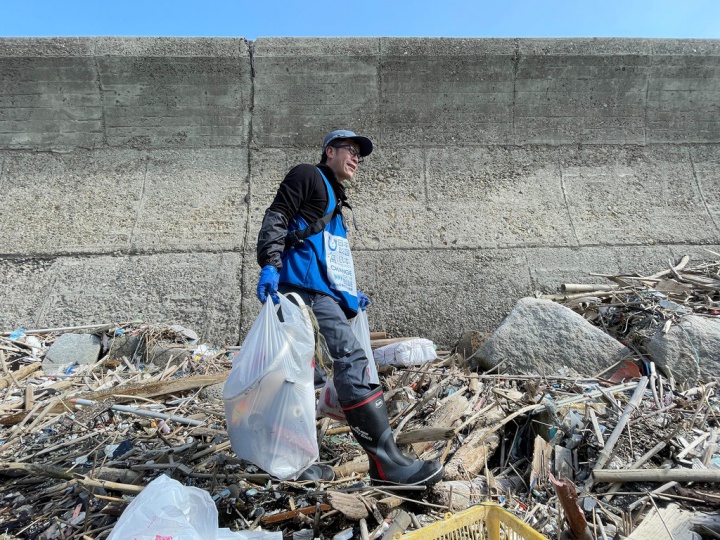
x: 162, y: 354
x: 128, y: 346
x: 540, y: 336
x: 214, y: 392
x: 69, y: 350
x: 470, y: 342
x: 690, y: 350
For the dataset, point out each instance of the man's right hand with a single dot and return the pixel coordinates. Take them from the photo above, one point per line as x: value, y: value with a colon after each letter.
x: 268, y: 284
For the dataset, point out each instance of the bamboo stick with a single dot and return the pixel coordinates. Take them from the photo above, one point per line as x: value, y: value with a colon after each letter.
x: 56, y: 472
x: 578, y: 287
x: 657, y: 475
x: 639, y: 463
x: 612, y: 440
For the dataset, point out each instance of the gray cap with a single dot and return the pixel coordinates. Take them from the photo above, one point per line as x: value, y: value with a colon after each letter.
x: 365, y: 144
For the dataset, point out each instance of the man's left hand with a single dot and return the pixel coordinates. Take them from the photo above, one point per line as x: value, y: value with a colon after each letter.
x: 363, y: 300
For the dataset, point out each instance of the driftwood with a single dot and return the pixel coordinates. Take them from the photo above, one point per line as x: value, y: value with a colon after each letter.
x: 19, y: 375
x: 152, y: 389
x: 377, y: 343
x: 62, y: 474
x: 445, y: 416
x: 472, y: 456
x: 490, y: 421
x: 352, y: 506
x: 425, y: 435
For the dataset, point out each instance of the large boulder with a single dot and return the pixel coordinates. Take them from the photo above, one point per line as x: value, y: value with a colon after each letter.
x: 690, y: 350
x: 69, y: 350
x: 541, y: 336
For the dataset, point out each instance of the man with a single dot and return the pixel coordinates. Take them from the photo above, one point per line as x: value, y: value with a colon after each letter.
x: 303, y: 248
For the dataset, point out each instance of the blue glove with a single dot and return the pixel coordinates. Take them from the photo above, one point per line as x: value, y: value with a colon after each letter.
x: 268, y: 284
x: 363, y: 300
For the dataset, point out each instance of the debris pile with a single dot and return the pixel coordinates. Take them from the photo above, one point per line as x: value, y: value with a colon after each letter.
x: 671, y: 317
x: 614, y: 453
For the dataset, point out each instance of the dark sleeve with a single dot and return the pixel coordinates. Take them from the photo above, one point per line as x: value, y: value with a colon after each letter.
x: 297, y: 194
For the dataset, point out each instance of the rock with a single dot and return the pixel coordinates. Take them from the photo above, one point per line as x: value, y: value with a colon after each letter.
x: 541, y: 336
x: 214, y: 392
x: 470, y: 342
x: 161, y: 355
x: 128, y: 346
x: 69, y: 350
x: 693, y: 338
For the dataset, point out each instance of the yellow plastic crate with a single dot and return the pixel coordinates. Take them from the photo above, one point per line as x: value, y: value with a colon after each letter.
x: 482, y: 522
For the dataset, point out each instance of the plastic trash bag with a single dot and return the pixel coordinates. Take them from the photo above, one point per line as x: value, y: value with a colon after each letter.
x: 168, y: 510
x: 408, y: 353
x: 269, y: 395
x: 328, y: 404
x: 361, y: 328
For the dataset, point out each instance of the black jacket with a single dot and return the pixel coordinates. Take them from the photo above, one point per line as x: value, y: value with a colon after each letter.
x: 302, y: 193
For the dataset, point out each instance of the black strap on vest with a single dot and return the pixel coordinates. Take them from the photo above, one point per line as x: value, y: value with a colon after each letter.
x: 294, y: 238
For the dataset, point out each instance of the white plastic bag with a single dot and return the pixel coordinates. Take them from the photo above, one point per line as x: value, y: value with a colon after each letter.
x: 361, y: 328
x: 168, y: 510
x: 270, y: 394
x: 328, y: 403
x: 412, y: 352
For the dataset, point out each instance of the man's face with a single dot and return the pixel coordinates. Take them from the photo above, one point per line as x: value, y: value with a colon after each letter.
x: 343, y: 158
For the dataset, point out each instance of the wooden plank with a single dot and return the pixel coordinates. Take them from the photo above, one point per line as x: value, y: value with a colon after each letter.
x: 596, y: 428
x: 540, y: 463
x: 445, y: 416
x: 351, y: 506
x: 149, y: 390
x: 431, y: 434
x: 29, y: 397
x: 19, y: 374
x: 377, y: 343
x: 670, y: 522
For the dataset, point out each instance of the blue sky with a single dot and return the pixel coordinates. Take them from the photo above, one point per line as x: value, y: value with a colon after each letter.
x: 340, y: 18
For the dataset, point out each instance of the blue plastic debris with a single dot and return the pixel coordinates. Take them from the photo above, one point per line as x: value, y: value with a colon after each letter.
x: 17, y: 333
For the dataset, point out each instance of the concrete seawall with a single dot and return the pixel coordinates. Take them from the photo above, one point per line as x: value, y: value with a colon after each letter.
x: 134, y: 172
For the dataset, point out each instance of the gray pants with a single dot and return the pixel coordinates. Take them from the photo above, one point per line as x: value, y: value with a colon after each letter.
x: 350, y: 364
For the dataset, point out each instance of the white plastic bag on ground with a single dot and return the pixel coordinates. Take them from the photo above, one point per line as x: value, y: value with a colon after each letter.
x: 270, y: 393
x: 328, y: 403
x: 166, y: 509
x: 408, y: 353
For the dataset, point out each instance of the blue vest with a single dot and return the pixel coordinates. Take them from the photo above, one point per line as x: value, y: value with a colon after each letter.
x: 323, y: 262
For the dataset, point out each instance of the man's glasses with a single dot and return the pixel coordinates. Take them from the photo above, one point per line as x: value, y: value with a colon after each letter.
x: 354, y: 152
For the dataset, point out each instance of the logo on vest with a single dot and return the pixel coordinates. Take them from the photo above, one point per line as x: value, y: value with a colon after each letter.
x: 339, y: 263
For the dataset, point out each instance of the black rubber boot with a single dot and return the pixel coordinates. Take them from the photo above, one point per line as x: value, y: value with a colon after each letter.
x: 368, y: 420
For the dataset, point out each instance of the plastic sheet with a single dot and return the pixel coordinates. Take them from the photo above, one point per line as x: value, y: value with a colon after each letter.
x: 413, y: 352
x: 166, y: 509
